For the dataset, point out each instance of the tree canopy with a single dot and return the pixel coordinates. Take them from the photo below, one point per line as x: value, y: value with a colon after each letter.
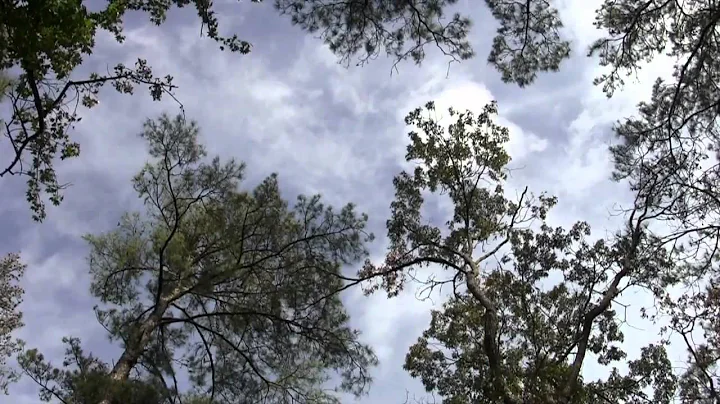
x: 668, y: 154
x: 47, y: 41
x: 238, y: 288
x: 530, y: 302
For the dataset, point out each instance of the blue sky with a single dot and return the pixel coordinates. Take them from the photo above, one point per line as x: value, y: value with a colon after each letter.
x: 289, y: 108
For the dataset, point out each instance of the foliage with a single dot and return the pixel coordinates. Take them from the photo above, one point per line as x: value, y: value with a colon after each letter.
x: 530, y: 301
x: 237, y: 288
x: 528, y: 41
x: 46, y: 42
x: 399, y: 27
x: 505, y: 336
x: 669, y: 150
x: 83, y: 379
x: 11, y: 270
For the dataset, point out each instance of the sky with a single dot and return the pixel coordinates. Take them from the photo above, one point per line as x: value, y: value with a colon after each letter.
x: 288, y: 107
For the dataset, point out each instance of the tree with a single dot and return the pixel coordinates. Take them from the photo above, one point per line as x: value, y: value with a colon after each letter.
x: 11, y: 270
x: 673, y: 140
x: 237, y: 288
x: 47, y: 41
x: 530, y: 301
x: 669, y: 152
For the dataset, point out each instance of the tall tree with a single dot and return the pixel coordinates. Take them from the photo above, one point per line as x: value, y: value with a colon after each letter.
x: 530, y: 302
x: 11, y: 270
x: 673, y: 140
x: 238, y: 288
x: 668, y: 153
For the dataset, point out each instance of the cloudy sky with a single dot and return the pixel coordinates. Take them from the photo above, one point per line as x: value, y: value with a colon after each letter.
x: 288, y: 107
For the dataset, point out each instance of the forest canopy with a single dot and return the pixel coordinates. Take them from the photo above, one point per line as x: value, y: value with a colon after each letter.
x: 219, y: 290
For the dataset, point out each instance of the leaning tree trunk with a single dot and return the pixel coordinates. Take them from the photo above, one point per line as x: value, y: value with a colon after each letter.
x: 134, y: 348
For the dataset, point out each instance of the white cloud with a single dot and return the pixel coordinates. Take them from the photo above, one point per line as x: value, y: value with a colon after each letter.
x: 462, y: 93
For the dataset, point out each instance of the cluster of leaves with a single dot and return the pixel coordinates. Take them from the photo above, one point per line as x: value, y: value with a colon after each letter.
x: 364, y: 28
x: 11, y: 270
x: 45, y: 42
x: 237, y: 288
x: 528, y: 41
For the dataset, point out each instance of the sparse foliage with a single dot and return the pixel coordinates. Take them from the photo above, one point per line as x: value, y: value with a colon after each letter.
x: 237, y: 288
x: 671, y: 145
x: 400, y: 28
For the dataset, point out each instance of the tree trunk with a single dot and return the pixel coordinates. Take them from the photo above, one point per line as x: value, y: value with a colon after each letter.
x: 135, y: 346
